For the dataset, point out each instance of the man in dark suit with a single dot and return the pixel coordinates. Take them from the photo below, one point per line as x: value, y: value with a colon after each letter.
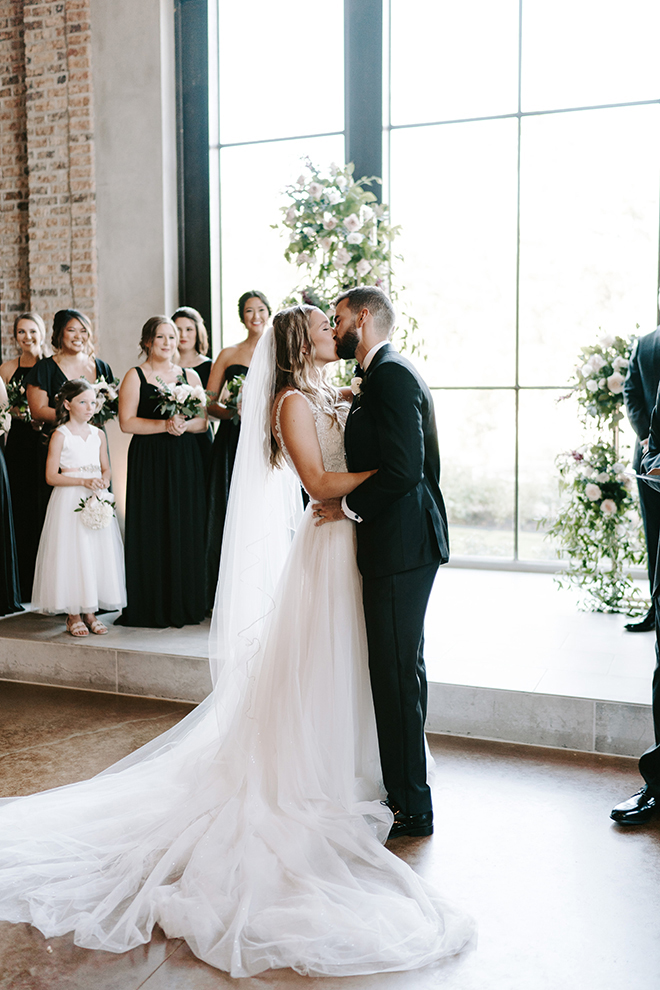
x: 401, y: 539
x: 639, y: 391
x: 645, y: 803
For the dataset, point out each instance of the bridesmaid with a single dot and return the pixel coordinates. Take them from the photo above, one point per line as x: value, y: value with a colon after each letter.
x: 254, y: 312
x: 25, y: 453
x: 73, y: 343
x: 193, y: 348
x: 10, y: 598
x: 165, y: 503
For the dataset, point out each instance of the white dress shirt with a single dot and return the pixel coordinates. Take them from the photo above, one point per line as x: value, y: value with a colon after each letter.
x: 369, y: 356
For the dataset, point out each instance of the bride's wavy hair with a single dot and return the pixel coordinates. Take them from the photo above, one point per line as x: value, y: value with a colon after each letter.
x: 295, y: 368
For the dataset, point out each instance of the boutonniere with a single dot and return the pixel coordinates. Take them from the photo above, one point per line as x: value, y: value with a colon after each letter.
x: 356, y: 386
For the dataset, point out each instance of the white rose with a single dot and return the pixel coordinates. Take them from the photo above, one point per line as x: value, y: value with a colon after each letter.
x: 326, y: 243
x: 602, y: 382
x: 592, y: 386
x: 619, y: 363
x: 341, y: 181
x: 355, y: 385
x: 592, y: 492
x: 587, y: 471
x: 608, y: 506
x: 181, y: 392
x: 618, y: 468
x: 315, y: 190
x: 199, y: 395
x: 363, y: 266
x: 290, y: 217
x: 334, y: 196
x: 625, y: 480
x: 355, y: 238
x: 352, y: 222
x: 366, y: 214
x: 329, y: 223
x: 341, y: 258
x: 587, y: 370
x: 602, y: 477
x: 607, y: 340
x: 597, y: 362
x: 615, y: 382
x: 303, y: 258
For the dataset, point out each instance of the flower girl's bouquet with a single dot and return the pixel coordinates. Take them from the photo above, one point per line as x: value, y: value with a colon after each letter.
x: 96, y: 512
x: 107, y: 401
x: 18, y: 402
x: 181, y: 399
x: 231, y: 395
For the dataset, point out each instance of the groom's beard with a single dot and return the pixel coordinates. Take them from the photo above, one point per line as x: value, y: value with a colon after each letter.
x: 347, y: 346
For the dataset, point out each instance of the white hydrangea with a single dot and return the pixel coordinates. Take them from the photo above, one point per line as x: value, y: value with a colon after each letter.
x: 96, y: 512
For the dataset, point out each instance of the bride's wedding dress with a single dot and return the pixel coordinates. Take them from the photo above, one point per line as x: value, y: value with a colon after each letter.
x: 254, y: 828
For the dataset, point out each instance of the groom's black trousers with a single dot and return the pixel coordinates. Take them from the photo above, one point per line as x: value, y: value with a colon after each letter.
x: 649, y: 764
x: 394, y: 609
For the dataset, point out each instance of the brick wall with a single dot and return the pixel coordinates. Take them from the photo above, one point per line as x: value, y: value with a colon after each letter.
x: 47, y: 191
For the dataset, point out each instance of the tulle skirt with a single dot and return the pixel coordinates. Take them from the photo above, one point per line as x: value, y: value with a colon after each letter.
x: 253, y: 830
x: 78, y: 569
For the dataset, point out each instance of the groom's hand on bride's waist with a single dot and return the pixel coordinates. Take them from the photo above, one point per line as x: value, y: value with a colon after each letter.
x: 329, y: 510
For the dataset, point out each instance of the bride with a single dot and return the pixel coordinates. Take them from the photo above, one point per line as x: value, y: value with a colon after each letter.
x: 254, y: 829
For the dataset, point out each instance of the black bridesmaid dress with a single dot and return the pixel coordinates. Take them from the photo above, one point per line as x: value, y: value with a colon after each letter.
x: 205, y: 440
x: 165, y: 512
x: 217, y: 492
x: 10, y: 597
x: 26, y: 450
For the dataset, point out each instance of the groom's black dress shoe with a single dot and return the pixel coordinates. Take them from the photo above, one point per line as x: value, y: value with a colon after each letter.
x: 413, y: 825
x: 646, y: 625
x: 637, y: 810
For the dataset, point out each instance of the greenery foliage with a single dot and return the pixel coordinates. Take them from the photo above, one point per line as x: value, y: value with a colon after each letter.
x: 598, y: 525
x: 340, y: 236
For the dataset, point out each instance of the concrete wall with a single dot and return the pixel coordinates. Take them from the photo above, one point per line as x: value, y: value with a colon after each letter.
x: 135, y: 140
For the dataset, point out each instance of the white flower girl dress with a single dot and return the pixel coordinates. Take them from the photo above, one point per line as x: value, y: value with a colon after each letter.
x: 78, y: 569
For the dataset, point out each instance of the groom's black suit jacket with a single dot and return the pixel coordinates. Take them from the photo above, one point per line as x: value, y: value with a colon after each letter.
x: 391, y: 427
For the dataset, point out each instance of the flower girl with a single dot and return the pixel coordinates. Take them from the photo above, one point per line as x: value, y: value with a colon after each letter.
x: 80, y: 561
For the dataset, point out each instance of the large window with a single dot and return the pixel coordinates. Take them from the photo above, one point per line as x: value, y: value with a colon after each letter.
x: 280, y: 98
x: 521, y: 155
x: 524, y: 149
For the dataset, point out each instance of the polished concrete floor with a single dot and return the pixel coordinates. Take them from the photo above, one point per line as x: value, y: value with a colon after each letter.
x: 564, y: 899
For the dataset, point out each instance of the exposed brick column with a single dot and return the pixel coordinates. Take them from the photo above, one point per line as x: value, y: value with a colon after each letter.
x: 60, y: 157
x: 14, y: 266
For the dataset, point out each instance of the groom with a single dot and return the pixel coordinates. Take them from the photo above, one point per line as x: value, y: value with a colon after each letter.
x: 401, y: 539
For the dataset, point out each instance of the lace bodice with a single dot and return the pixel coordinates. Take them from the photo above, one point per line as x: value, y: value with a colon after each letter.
x: 329, y: 432
x: 81, y: 457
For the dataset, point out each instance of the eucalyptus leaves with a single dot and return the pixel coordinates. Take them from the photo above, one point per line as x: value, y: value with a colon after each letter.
x: 598, y: 526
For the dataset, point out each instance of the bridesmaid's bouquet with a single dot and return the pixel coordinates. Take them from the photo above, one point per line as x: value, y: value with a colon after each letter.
x: 181, y: 399
x: 18, y: 402
x: 96, y: 512
x: 230, y: 396
x: 5, y: 420
x: 107, y: 400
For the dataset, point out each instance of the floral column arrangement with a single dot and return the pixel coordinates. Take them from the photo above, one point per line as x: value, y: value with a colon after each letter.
x: 598, y: 525
x: 339, y: 237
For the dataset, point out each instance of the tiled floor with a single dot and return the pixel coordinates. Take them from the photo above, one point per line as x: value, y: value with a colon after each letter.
x: 492, y: 629
x: 564, y: 899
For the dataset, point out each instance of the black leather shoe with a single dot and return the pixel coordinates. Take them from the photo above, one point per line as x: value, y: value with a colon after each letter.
x: 637, y: 810
x: 413, y: 825
x: 646, y: 625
